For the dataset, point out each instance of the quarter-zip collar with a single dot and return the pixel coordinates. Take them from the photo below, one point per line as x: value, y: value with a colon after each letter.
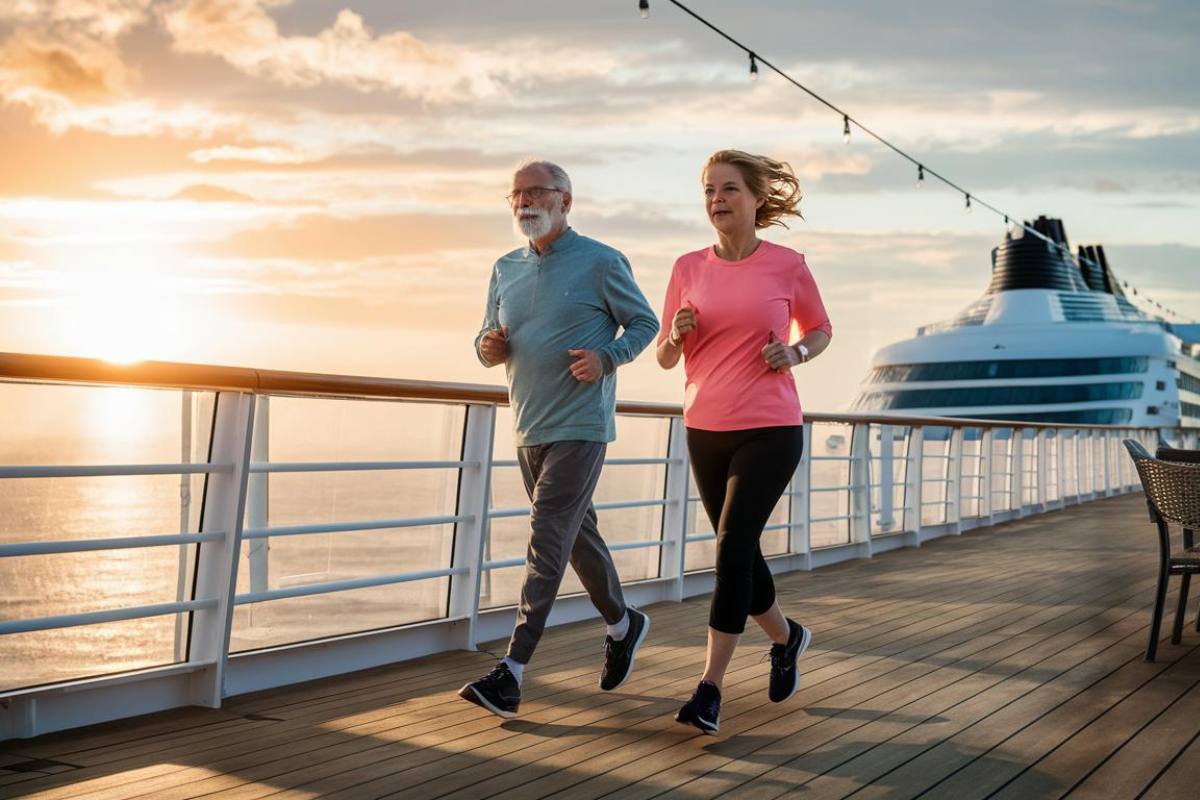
x: 564, y: 240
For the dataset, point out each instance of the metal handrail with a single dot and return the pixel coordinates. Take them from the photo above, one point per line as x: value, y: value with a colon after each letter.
x: 111, y: 470
x: 328, y: 587
x: 97, y: 617
x: 350, y: 527
x: 91, y: 545
x: 208, y: 377
x: 273, y: 467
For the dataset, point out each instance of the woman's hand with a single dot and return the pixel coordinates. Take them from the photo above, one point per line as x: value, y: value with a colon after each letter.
x: 683, y: 323
x: 779, y: 356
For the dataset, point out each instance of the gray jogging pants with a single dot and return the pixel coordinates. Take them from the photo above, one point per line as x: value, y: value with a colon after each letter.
x: 560, y: 478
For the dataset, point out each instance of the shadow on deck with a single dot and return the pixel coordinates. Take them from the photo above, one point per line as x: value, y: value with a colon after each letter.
x: 1003, y: 663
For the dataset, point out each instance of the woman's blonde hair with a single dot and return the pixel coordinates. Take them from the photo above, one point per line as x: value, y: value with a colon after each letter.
x: 769, y: 180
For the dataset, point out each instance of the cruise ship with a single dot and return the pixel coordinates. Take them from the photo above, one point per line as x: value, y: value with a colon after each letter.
x: 1053, y: 339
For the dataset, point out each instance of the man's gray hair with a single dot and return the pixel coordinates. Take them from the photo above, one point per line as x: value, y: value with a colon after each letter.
x: 558, y: 175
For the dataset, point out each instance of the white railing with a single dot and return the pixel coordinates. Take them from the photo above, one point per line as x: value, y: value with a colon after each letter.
x: 865, y: 485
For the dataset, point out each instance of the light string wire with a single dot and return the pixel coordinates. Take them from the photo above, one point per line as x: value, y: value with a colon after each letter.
x: 970, y: 198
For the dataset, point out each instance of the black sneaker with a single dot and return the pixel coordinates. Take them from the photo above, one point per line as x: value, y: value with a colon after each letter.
x: 618, y: 656
x: 497, y: 691
x: 703, y: 710
x: 785, y: 676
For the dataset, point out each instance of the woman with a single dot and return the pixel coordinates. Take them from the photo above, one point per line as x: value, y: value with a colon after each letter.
x: 729, y: 311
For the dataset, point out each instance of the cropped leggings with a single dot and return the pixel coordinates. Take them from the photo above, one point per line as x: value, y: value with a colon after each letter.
x: 740, y: 476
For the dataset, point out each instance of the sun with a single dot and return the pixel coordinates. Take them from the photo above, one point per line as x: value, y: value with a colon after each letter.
x: 121, y: 312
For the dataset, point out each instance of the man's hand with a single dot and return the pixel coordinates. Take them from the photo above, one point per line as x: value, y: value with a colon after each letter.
x: 494, y: 346
x: 585, y: 365
x: 779, y: 356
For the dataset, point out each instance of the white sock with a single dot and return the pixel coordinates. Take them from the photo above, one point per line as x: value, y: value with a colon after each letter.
x: 516, y: 669
x: 618, y: 631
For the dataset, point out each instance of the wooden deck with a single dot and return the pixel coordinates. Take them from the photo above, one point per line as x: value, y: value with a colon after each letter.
x: 1004, y: 663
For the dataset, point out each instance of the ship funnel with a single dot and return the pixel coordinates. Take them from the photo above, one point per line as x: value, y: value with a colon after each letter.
x: 1098, y: 276
x: 1027, y: 262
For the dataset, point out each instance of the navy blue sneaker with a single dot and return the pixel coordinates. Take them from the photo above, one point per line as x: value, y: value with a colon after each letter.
x: 785, y: 674
x: 618, y: 656
x: 498, y: 692
x: 703, y: 710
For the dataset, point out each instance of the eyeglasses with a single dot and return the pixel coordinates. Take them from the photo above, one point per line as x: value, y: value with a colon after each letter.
x: 534, y: 193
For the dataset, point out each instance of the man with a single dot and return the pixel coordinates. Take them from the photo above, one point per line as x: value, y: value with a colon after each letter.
x: 552, y: 315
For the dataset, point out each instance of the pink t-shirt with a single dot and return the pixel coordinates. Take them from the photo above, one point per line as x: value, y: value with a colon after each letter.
x: 738, y: 304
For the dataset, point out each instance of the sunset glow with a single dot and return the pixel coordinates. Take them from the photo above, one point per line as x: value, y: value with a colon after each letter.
x: 316, y: 186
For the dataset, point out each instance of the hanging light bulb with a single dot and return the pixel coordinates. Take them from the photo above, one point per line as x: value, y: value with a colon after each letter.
x: 845, y: 129
x: 644, y: 8
x: 753, y: 68
x: 920, y: 176
x: 968, y: 204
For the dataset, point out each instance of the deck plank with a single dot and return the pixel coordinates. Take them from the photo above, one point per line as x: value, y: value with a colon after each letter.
x: 1003, y: 663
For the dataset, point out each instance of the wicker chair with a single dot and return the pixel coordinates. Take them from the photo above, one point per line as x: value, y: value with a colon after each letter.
x: 1173, y: 496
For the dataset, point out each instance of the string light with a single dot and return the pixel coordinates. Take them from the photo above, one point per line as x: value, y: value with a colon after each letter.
x: 1028, y: 229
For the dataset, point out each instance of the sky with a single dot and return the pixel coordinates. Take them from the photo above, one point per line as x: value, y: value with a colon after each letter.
x: 319, y: 185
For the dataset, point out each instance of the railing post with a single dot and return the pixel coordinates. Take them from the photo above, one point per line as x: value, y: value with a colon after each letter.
x: 986, y: 479
x: 1118, y: 461
x: 258, y: 498
x: 185, y: 522
x: 1108, y: 465
x: 1043, y: 454
x: 1016, y: 466
x: 1121, y: 462
x: 954, y: 474
x: 1084, y: 464
x: 914, y: 473
x: 887, y: 480
x: 860, y: 479
x: 1060, y: 455
x: 800, y: 507
x: 217, y: 562
x: 673, y: 553
x: 474, y: 500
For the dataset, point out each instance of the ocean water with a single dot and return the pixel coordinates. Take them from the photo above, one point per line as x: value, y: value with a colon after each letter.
x: 77, y: 425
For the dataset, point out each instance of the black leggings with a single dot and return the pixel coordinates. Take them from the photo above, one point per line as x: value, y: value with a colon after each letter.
x: 741, y: 475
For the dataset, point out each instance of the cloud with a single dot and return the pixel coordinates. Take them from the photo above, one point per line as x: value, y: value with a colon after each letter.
x: 99, y: 19
x: 205, y: 193
x: 325, y: 238
x: 31, y: 64
x: 267, y: 158
x: 72, y: 163
x: 348, y: 53
x: 63, y: 60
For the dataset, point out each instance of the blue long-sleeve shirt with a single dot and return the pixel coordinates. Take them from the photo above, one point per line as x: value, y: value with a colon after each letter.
x: 574, y: 296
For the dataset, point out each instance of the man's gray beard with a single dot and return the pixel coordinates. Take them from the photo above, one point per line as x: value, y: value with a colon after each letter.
x: 535, y: 227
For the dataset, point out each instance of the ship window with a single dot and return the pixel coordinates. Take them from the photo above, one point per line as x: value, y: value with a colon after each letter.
x: 1008, y: 369
x: 1190, y: 409
x: 1091, y: 416
x: 1160, y: 385
x: 998, y: 396
x: 1152, y: 410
